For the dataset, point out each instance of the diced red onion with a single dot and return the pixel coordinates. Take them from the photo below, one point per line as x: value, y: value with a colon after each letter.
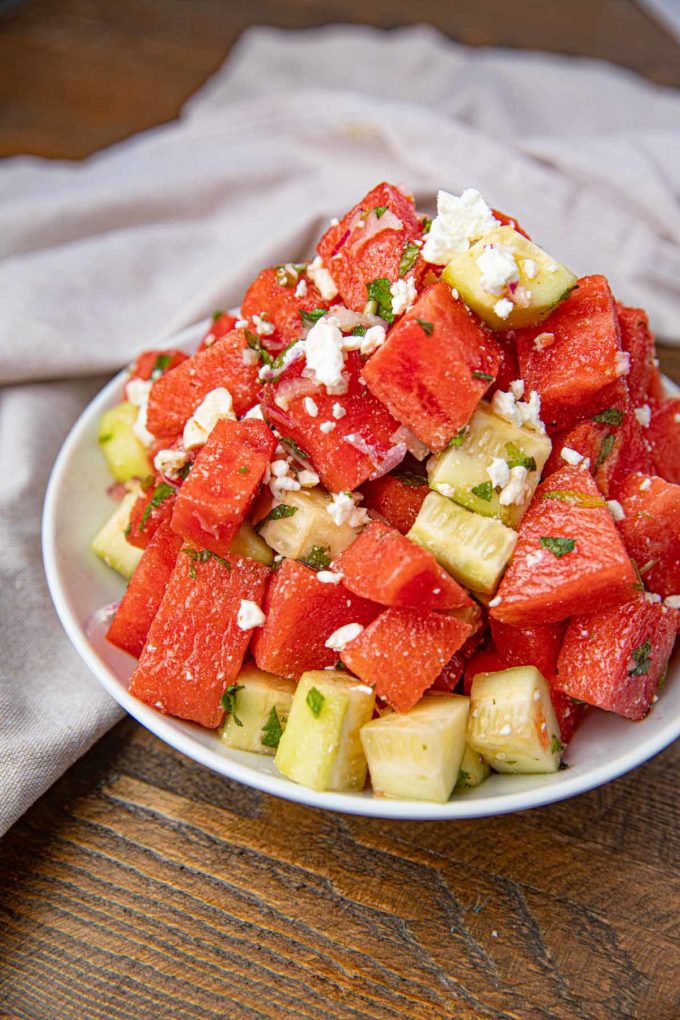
x: 393, y: 457
x: 375, y: 225
x: 291, y: 389
x: 347, y: 319
x: 414, y: 445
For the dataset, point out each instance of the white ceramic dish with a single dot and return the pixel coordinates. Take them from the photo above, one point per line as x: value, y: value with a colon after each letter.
x: 76, y: 505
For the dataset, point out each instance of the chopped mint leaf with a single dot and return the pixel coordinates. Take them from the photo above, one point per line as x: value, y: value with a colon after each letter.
x: 272, y: 730
x: 408, y: 257
x: 558, y: 546
x: 160, y: 493
x: 160, y: 365
x: 185, y: 469
x: 411, y: 479
x: 317, y: 558
x: 277, y: 512
x: 280, y: 357
x: 379, y: 291
x: 575, y: 498
x: 218, y: 314
x: 427, y: 327
x: 484, y: 490
x: 380, y: 210
x: 460, y: 435
x: 641, y: 660
x: 610, y: 416
x: 127, y: 530
x: 255, y: 344
x: 482, y: 375
x: 228, y: 701
x: 314, y: 315
x: 605, y: 450
x: 556, y: 745
x: 296, y: 450
x: 340, y: 665
x: 464, y: 778
x: 202, y: 556
x: 427, y: 225
x: 315, y: 700
x: 517, y: 458
x: 243, y: 470
x: 359, y: 331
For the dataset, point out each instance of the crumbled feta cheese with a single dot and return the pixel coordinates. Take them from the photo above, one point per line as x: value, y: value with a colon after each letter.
x: 335, y: 222
x: 503, y: 404
x: 505, y: 730
x: 311, y: 407
x: 308, y: 479
x: 282, y: 479
x: 495, y: 602
x: 518, y: 489
x: 503, y: 308
x: 672, y: 601
x: 543, y: 341
x: 279, y: 468
x: 262, y: 326
x: 645, y: 485
x: 615, y: 509
x: 327, y: 426
x: 621, y: 363
x: 249, y: 356
x: 255, y: 412
x: 170, y: 463
x: 517, y: 388
x: 322, y: 279
x: 372, y: 340
x: 250, y: 615
x: 241, y: 324
x: 499, y: 472
x: 329, y: 577
x: 338, y: 411
x: 215, y: 406
x: 343, y: 510
x: 460, y: 220
x: 343, y: 635
x: 498, y: 268
x: 403, y: 294
x: 301, y: 289
x: 572, y: 457
x: 325, y: 359
x: 519, y: 413
x: 529, y: 269
x: 652, y: 597
x: 643, y: 415
x: 137, y: 392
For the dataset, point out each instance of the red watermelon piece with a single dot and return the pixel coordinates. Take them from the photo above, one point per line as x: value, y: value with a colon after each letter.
x: 397, y: 498
x: 579, y: 374
x: 175, y: 396
x: 154, y: 507
x: 510, y: 221
x: 361, y: 441
x: 222, y: 324
x: 535, y: 645
x: 368, y: 244
x: 302, y: 613
x: 651, y: 530
x: 386, y: 567
x: 508, y: 369
x: 139, y: 605
x: 276, y: 301
x: 195, y: 647
x: 663, y: 436
x: 485, y: 660
x: 638, y: 340
x: 434, y: 367
x: 615, y: 659
x: 156, y: 363
x: 544, y: 586
x: 215, y: 498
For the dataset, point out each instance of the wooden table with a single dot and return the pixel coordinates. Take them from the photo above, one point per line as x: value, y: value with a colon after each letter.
x: 143, y: 887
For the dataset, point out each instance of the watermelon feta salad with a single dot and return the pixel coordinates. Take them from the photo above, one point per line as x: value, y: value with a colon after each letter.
x: 408, y: 514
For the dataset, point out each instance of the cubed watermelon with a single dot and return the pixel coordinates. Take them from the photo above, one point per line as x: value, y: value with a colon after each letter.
x: 485, y: 660
x: 222, y: 324
x: 434, y: 367
x: 638, y: 341
x: 615, y: 659
x: 139, y: 605
x: 360, y: 440
x: 508, y: 369
x: 510, y: 221
x: 403, y: 651
x: 370, y: 242
x: 579, y: 373
x: 302, y: 613
x: 156, y: 363
x: 453, y: 670
x: 398, y: 498
x: 214, y: 500
x: 195, y: 647
x: 651, y: 530
x: 535, y: 645
x: 663, y: 436
x: 175, y: 396
x: 154, y: 507
x: 386, y: 567
x: 274, y: 297
x: 569, y: 557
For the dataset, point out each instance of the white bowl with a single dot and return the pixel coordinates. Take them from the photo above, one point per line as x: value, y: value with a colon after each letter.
x: 76, y: 505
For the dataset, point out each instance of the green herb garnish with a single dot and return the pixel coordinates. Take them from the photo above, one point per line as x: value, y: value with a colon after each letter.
x: 340, y: 665
x: 427, y: 225
x: 127, y: 530
x: 427, y: 327
x: 160, y: 493
x: 277, y: 512
x: 482, y: 375
x: 411, y: 479
x: 218, y: 314
x: 558, y: 546
x: 408, y: 257
x: 317, y: 558
x: 380, y: 210
x: 243, y: 470
x: 359, y: 331
x: 640, y: 656
x: 610, y: 416
x: 379, y: 291
x: 517, y: 458
x: 484, y: 490
x: 575, y: 498
x: 272, y: 730
x: 202, y: 556
x: 255, y: 344
x: 228, y: 701
x: 185, y: 469
x: 161, y: 364
x: 460, y: 435
x: 296, y: 450
x: 556, y: 745
x: 315, y: 700
x: 605, y: 450
x: 314, y: 315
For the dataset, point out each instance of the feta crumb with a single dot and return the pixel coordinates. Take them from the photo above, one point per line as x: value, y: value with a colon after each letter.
x: 343, y: 635
x: 250, y: 615
x: 499, y: 472
x: 308, y: 479
x: 311, y: 407
x: 454, y: 293
x: 255, y: 412
x: 282, y: 479
x: 517, y: 489
x: 343, y: 510
x: 643, y: 415
x: 615, y: 509
x: 517, y: 388
x: 335, y: 222
x: 403, y: 294
x: 516, y: 412
x: 503, y: 404
x: 249, y: 356
x: 652, y: 597
x: 543, y: 341
x: 672, y: 601
x: 572, y: 457
x: 503, y: 308
x: 279, y: 468
x: 338, y: 410
x: 498, y: 268
x: 215, y: 406
x: 327, y: 426
x: 262, y: 326
x: 241, y: 324
x: 137, y: 392
x: 495, y: 602
x: 529, y: 269
x: 322, y: 279
x: 372, y: 340
x: 460, y: 220
x: 621, y: 363
x: 170, y: 463
x: 645, y: 485
x: 505, y: 730
x: 329, y: 577
x: 301, y: 289
x: 325, y: 359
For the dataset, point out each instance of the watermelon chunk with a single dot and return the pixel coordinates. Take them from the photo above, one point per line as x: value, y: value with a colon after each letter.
x: 214, y: 500
x: 638, y: 340
x: 615, y: 659
x: 279, y: 304
x: 663, y: 436
x: 154, y: 507
x: 195, y: 647
x: 651, y: 530
x: 368, y: 245
x: 156, y: 363
x: 221, y: 325
x: 508, y: 368
x: 397, y: 498
x: 302, y: 613
x: 360, y: 442
x: 139, y: 605
x: 434, y: 367
x: 403, y: 651
x: 386, y: 567
x: 579, y: 373
x: 175, y: 396
x: 536, y: 645
x: 485, y: 660
x: 552, y: 579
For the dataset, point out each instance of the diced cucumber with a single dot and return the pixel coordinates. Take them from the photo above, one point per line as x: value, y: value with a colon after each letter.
x: 417, y: 754
x: 473, y: 770
x: 260, y: 712
x: 546, y: 283
x: 110, y: 543
x: 512, y: 721
x: 460, y: 469
x: 248, y: 543
x: 310, y: 527
x: 474, y: 549
x: 320, y: 747
x: 125, y: 456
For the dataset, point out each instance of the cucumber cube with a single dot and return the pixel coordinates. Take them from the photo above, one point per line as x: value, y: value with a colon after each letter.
x: 248, y: 543
x: 310, y: 527
x: 110, y: 543
x: 260, y: 711
x: 473, y: 770
x: 124, y: 454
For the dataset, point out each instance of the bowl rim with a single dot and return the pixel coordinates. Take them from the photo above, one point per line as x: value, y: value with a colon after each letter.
x: 180, y: 736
